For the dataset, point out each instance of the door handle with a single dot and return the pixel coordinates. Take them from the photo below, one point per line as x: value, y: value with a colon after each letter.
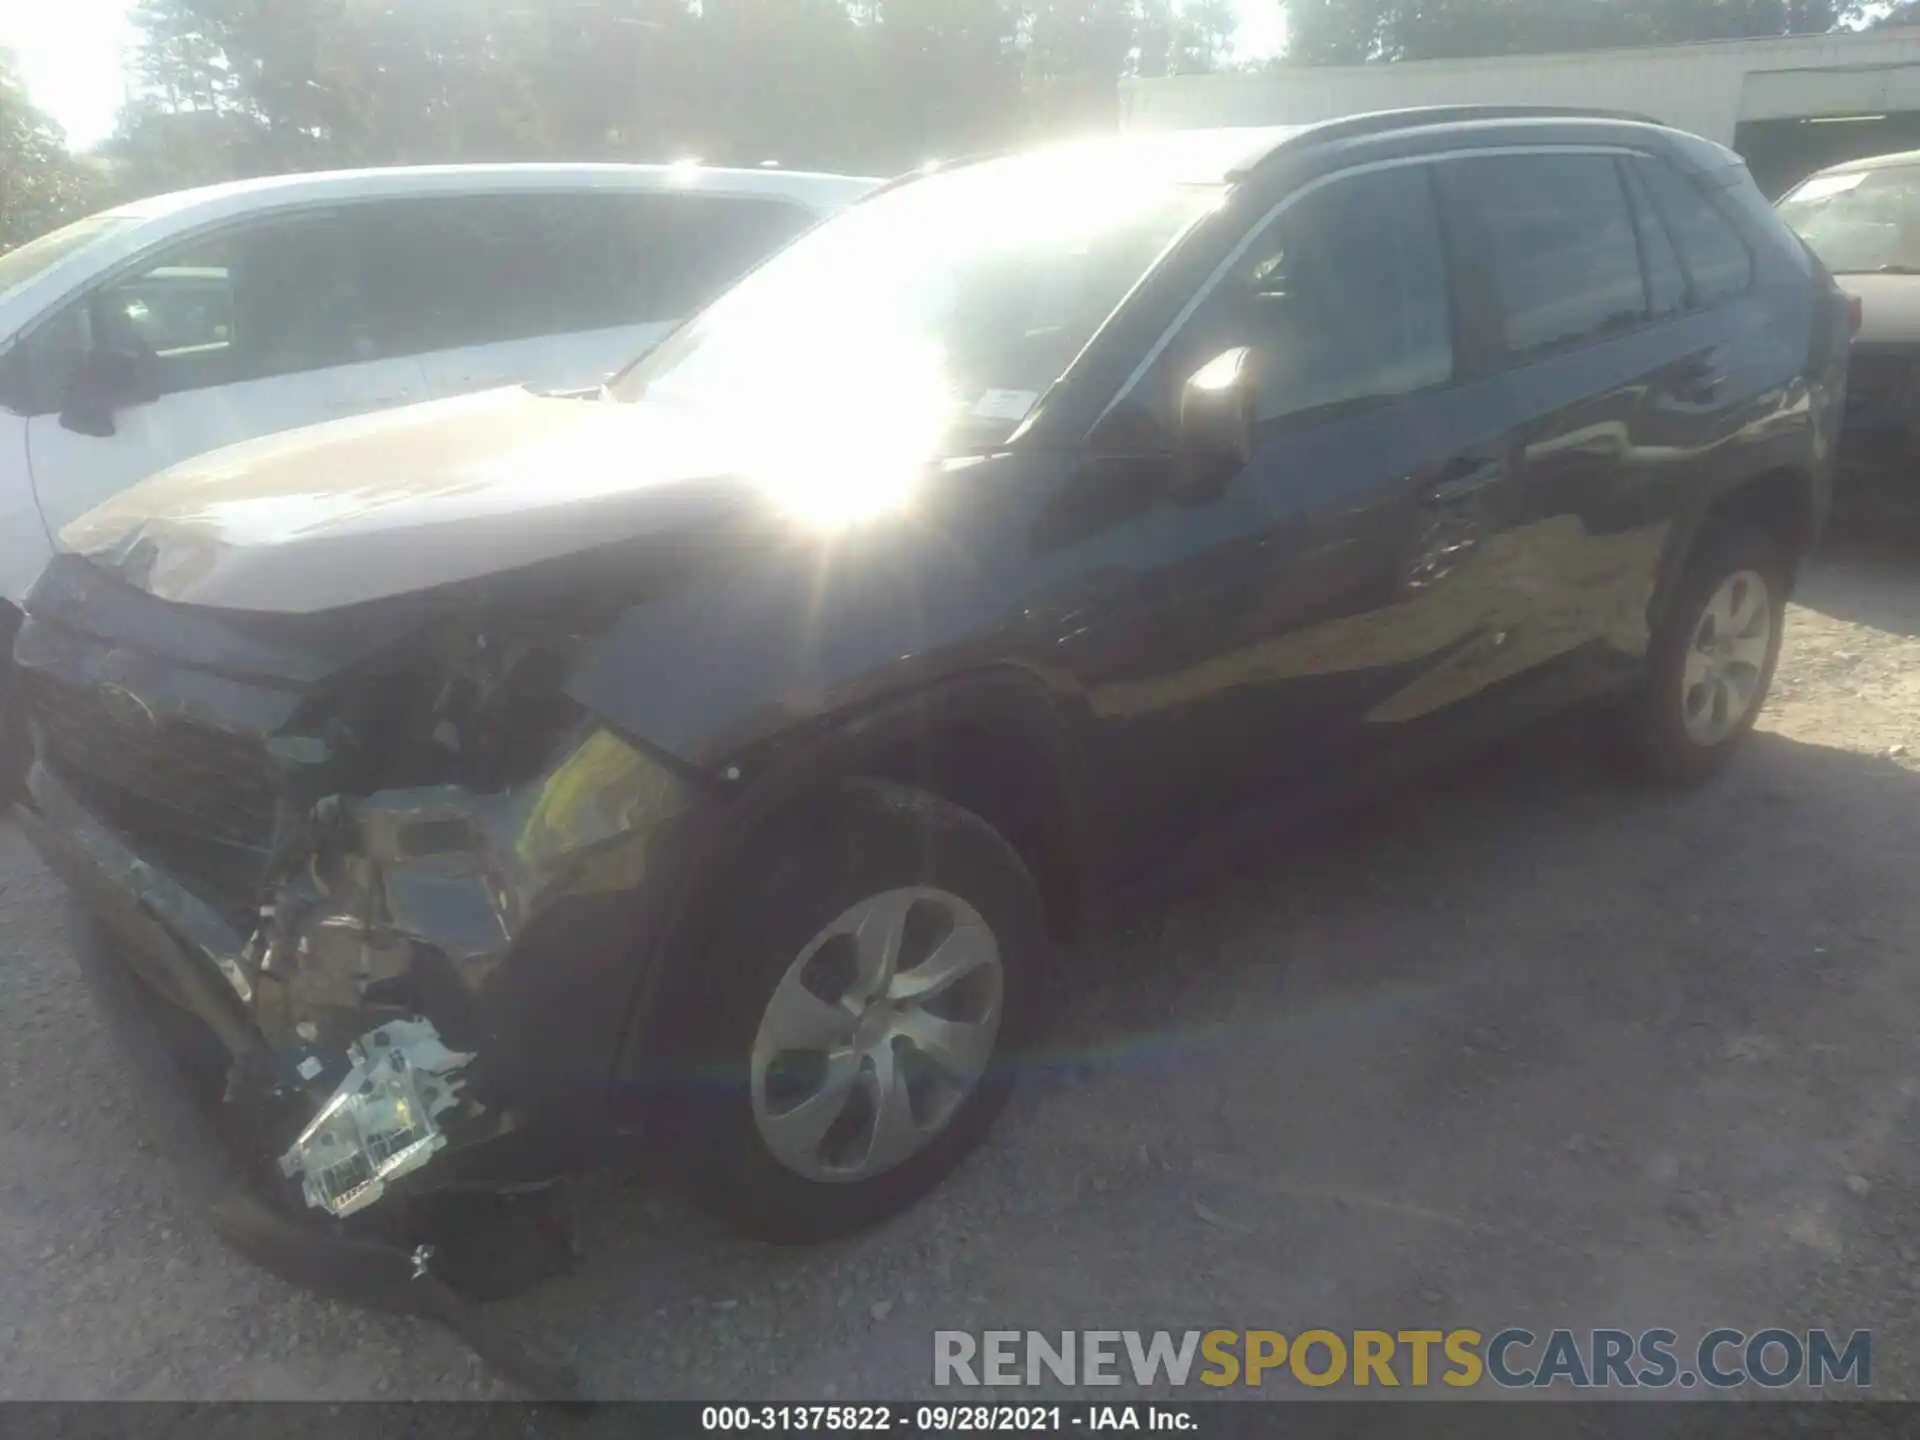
x: 1701, y: 377
x: 1462, y: 479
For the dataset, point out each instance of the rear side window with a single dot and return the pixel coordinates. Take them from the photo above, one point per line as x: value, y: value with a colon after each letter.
x: 1344, y: 296
x: 1718, y: 263
x: 473, y: 270
x: 695, y: 246
x: 1558, y: 246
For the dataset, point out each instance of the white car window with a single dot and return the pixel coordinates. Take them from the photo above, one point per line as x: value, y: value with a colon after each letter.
x: 277, y: 297
x: 1865, y: 221
x: 481, y: 269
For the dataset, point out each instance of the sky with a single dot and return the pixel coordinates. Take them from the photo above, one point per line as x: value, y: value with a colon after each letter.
x: 70, y: 53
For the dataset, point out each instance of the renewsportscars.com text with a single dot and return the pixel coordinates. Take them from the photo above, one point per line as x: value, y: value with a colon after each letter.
x: 1513, y: 1358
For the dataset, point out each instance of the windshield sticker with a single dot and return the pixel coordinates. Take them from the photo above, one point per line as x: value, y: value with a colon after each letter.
x: 1004, y: 405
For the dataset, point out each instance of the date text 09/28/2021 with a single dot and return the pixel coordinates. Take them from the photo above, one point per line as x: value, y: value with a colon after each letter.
x: 947, y: 1419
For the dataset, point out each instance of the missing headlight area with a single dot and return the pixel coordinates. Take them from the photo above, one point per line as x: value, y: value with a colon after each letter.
x: 380, y: 1123
x: 369, y: 981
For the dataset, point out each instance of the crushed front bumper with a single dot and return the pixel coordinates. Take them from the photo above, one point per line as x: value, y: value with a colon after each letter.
x: 160, y: 953
x: 300, y: 1248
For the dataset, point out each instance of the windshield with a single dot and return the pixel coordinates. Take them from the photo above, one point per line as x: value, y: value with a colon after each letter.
x: 942, y: 310
x: 1863, y: 220
x: 21, y: 265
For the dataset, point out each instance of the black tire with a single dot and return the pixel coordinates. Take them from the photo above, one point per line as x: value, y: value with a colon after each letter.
x: 1655, y: 727
x: 810, y: 865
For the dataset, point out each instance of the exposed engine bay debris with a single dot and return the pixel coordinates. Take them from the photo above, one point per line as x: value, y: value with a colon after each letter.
x: 379, y: 1125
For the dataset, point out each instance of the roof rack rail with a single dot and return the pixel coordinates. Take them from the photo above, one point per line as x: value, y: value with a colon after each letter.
x: 1378, y: 122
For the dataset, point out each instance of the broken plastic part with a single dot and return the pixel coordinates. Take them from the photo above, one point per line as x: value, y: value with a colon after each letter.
x: 440, y: 878
x: 379, y: 1123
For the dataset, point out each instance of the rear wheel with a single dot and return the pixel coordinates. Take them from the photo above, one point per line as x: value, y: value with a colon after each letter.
x: 1712, y: 659
x: 870, y: 991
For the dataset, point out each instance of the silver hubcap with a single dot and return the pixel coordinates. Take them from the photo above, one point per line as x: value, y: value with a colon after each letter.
x: 877, y: 1034
x: 1726, y: 657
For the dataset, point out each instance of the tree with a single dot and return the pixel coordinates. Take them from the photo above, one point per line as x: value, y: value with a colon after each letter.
x: 240, y: 87
x: 1351, y: 32
x: 41, y: 185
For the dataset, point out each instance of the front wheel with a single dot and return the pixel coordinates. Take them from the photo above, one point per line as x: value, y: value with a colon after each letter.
x: 867, y: 997
x: 1712, y: 659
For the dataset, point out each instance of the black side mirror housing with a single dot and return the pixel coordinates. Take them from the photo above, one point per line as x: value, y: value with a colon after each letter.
x: 103, y: 382
x: 1216, y: 425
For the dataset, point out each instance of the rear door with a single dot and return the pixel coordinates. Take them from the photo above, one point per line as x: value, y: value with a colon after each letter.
x: 259, y: 328
x: 1729, y: 354
x: 560, y: 289
x: 1605, y: 389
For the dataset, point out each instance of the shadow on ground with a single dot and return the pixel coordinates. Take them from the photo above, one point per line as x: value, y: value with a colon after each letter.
x: 1867, y: 579
x: 1514, y: 1045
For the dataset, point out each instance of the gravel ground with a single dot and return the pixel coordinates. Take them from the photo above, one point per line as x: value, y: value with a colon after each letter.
x: 1522, y: 1046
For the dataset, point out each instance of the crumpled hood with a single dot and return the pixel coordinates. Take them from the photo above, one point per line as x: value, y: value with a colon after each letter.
x: 406, y: 500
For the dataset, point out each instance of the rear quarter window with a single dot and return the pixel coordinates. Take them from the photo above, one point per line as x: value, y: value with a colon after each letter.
x: 1718, y: 263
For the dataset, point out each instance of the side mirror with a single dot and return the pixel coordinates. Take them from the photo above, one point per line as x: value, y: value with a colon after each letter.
x: 103, y: 382
x: 1216, y: 425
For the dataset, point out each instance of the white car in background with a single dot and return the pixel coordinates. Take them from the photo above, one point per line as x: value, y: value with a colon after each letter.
x: 1862, y: 219
x: 147, y: 334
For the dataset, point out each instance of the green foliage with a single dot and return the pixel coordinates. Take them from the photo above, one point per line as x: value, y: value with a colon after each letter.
x: 1349, y: 32
x: 41, y: 185
x: 225, y: 88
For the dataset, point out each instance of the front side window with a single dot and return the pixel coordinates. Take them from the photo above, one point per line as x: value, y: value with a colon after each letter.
x: 1343, y: 298
x: 939, y: 311
x: 175, y: 310
x: 276, y: 298
x: 1559, y: 246
x: 1860, y: 221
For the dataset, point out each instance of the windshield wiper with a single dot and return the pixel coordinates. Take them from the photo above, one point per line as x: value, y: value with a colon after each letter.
x: 1884, y: 270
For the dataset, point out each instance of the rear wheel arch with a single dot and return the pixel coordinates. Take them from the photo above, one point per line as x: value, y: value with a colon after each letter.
x: 1781, y: 503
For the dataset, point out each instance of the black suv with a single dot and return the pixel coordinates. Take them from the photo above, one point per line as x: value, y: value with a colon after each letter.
x: 715, y: 760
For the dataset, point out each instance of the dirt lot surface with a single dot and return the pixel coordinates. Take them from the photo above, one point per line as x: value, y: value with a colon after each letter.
x: 1521, y: 1046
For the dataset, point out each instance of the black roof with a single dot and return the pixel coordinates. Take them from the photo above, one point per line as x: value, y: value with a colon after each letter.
x: 1388, y: 122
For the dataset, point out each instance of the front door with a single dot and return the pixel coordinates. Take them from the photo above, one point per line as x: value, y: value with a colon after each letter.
x: 1352, y: 577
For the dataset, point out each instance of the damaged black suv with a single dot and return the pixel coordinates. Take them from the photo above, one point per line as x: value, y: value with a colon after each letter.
x: 710, y: 764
